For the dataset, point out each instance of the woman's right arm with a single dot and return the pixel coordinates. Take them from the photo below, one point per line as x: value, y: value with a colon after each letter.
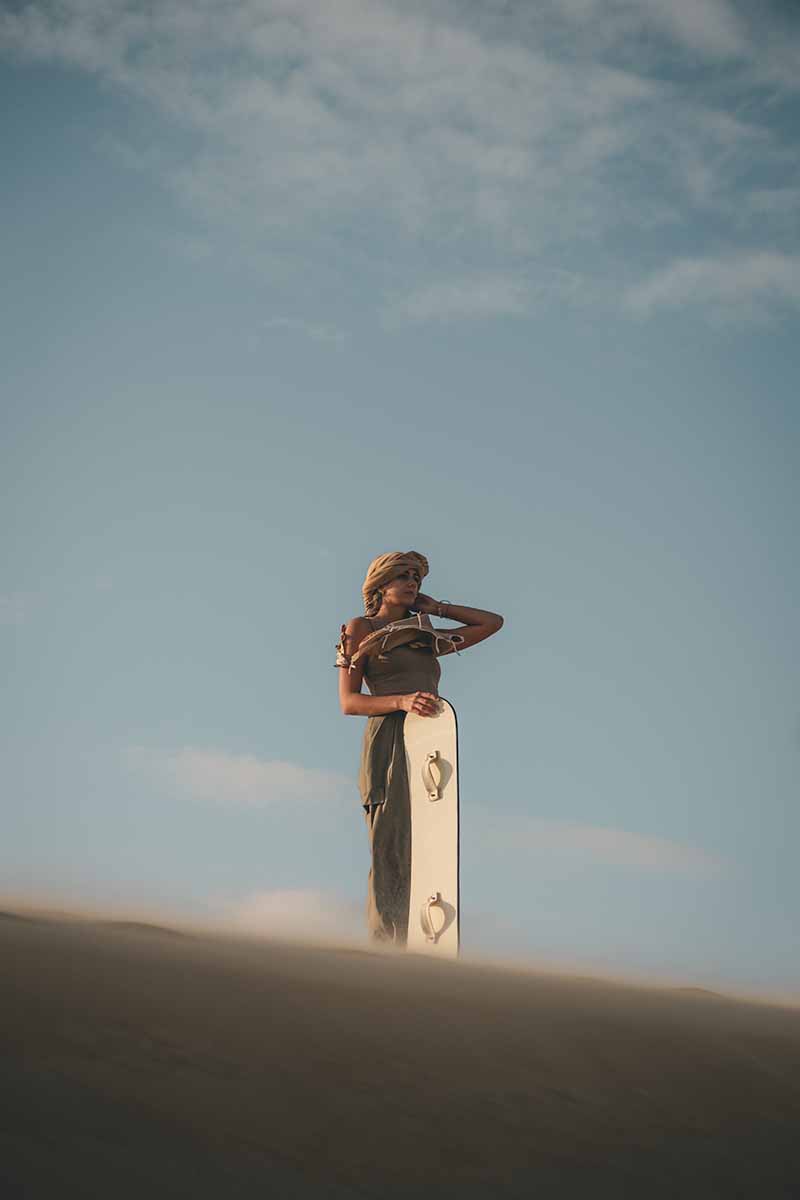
x: 353, y: 701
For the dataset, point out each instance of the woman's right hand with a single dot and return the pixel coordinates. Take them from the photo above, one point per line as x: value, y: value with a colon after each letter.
x: 424, y: 703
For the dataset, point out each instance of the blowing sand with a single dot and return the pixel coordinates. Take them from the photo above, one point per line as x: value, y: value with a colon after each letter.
x: 148, y: 1062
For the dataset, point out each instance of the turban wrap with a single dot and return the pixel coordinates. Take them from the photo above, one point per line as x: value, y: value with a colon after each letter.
x: 384, y: 569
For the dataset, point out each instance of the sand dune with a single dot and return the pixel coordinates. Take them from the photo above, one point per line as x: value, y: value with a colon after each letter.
x: 141, y: 1061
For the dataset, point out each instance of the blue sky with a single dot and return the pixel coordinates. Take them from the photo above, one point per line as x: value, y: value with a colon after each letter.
x: 516, y: 286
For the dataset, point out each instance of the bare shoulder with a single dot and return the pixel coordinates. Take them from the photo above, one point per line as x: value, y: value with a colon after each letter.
x: 356, y: 629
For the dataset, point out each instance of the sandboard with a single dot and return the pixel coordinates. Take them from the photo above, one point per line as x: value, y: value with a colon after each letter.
x: 432, y: 760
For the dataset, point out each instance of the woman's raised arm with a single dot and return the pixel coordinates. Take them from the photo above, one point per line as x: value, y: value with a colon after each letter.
x: 476, y: 623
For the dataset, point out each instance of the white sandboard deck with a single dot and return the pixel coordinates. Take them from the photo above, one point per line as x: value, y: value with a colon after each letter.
x: 432, y: 759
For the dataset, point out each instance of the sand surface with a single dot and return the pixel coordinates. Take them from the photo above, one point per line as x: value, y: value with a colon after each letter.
x: 147, y: 1062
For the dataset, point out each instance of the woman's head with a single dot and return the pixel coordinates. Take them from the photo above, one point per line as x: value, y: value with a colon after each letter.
x: 394, y: 578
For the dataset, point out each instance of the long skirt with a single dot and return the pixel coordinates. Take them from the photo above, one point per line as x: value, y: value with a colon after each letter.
x: 383, y: 783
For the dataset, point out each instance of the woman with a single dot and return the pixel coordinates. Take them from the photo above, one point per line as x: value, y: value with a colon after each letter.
x: 395, y: 648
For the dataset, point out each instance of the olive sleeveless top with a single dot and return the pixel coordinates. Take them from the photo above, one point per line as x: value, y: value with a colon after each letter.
x: 403, y: 669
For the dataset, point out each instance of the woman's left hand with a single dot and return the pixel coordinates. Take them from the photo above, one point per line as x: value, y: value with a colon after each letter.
x: 425, y: 604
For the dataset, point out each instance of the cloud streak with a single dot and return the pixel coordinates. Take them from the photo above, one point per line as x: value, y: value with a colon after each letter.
x: 14, y: 608
x: 441, y: 132
x: 327, y: 334
x: 704, y: 27
x: 296, y: 913
x: 237, y: 780
x: 742, y: 284
x: 488, y: 296
x: 594, y: 844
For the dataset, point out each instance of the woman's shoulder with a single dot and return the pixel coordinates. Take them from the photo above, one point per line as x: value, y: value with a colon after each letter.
x: 351, y: 636
x: 359, y: 626
x: 354, y: 632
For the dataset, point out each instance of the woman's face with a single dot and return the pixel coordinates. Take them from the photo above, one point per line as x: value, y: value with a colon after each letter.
x: 402, y: 590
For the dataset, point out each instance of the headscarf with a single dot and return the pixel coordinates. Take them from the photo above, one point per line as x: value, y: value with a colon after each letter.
x: 383, y: 570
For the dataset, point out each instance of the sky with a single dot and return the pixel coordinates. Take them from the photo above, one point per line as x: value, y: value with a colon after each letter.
x: 291, y: 284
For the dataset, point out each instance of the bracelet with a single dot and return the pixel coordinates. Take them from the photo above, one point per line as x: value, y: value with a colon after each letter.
x: 442, y: 604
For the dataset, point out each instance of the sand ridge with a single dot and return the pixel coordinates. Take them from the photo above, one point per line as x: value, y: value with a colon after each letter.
x: 138, y: 1056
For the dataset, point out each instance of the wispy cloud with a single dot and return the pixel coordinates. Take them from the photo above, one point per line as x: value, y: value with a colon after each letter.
x: 295, y: 913
x: 14, y: 607
x: 329, y: 334
x: 442, y: 133
x: 707, y: 27
x: 482, y: 297
x: 608, y: 846
x: 236, y: 779
x: 738, y: 285
x: 190, y: 247
x: 776, y: 202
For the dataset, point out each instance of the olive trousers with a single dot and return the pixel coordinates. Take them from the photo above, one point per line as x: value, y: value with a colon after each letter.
x: 383, y: 784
